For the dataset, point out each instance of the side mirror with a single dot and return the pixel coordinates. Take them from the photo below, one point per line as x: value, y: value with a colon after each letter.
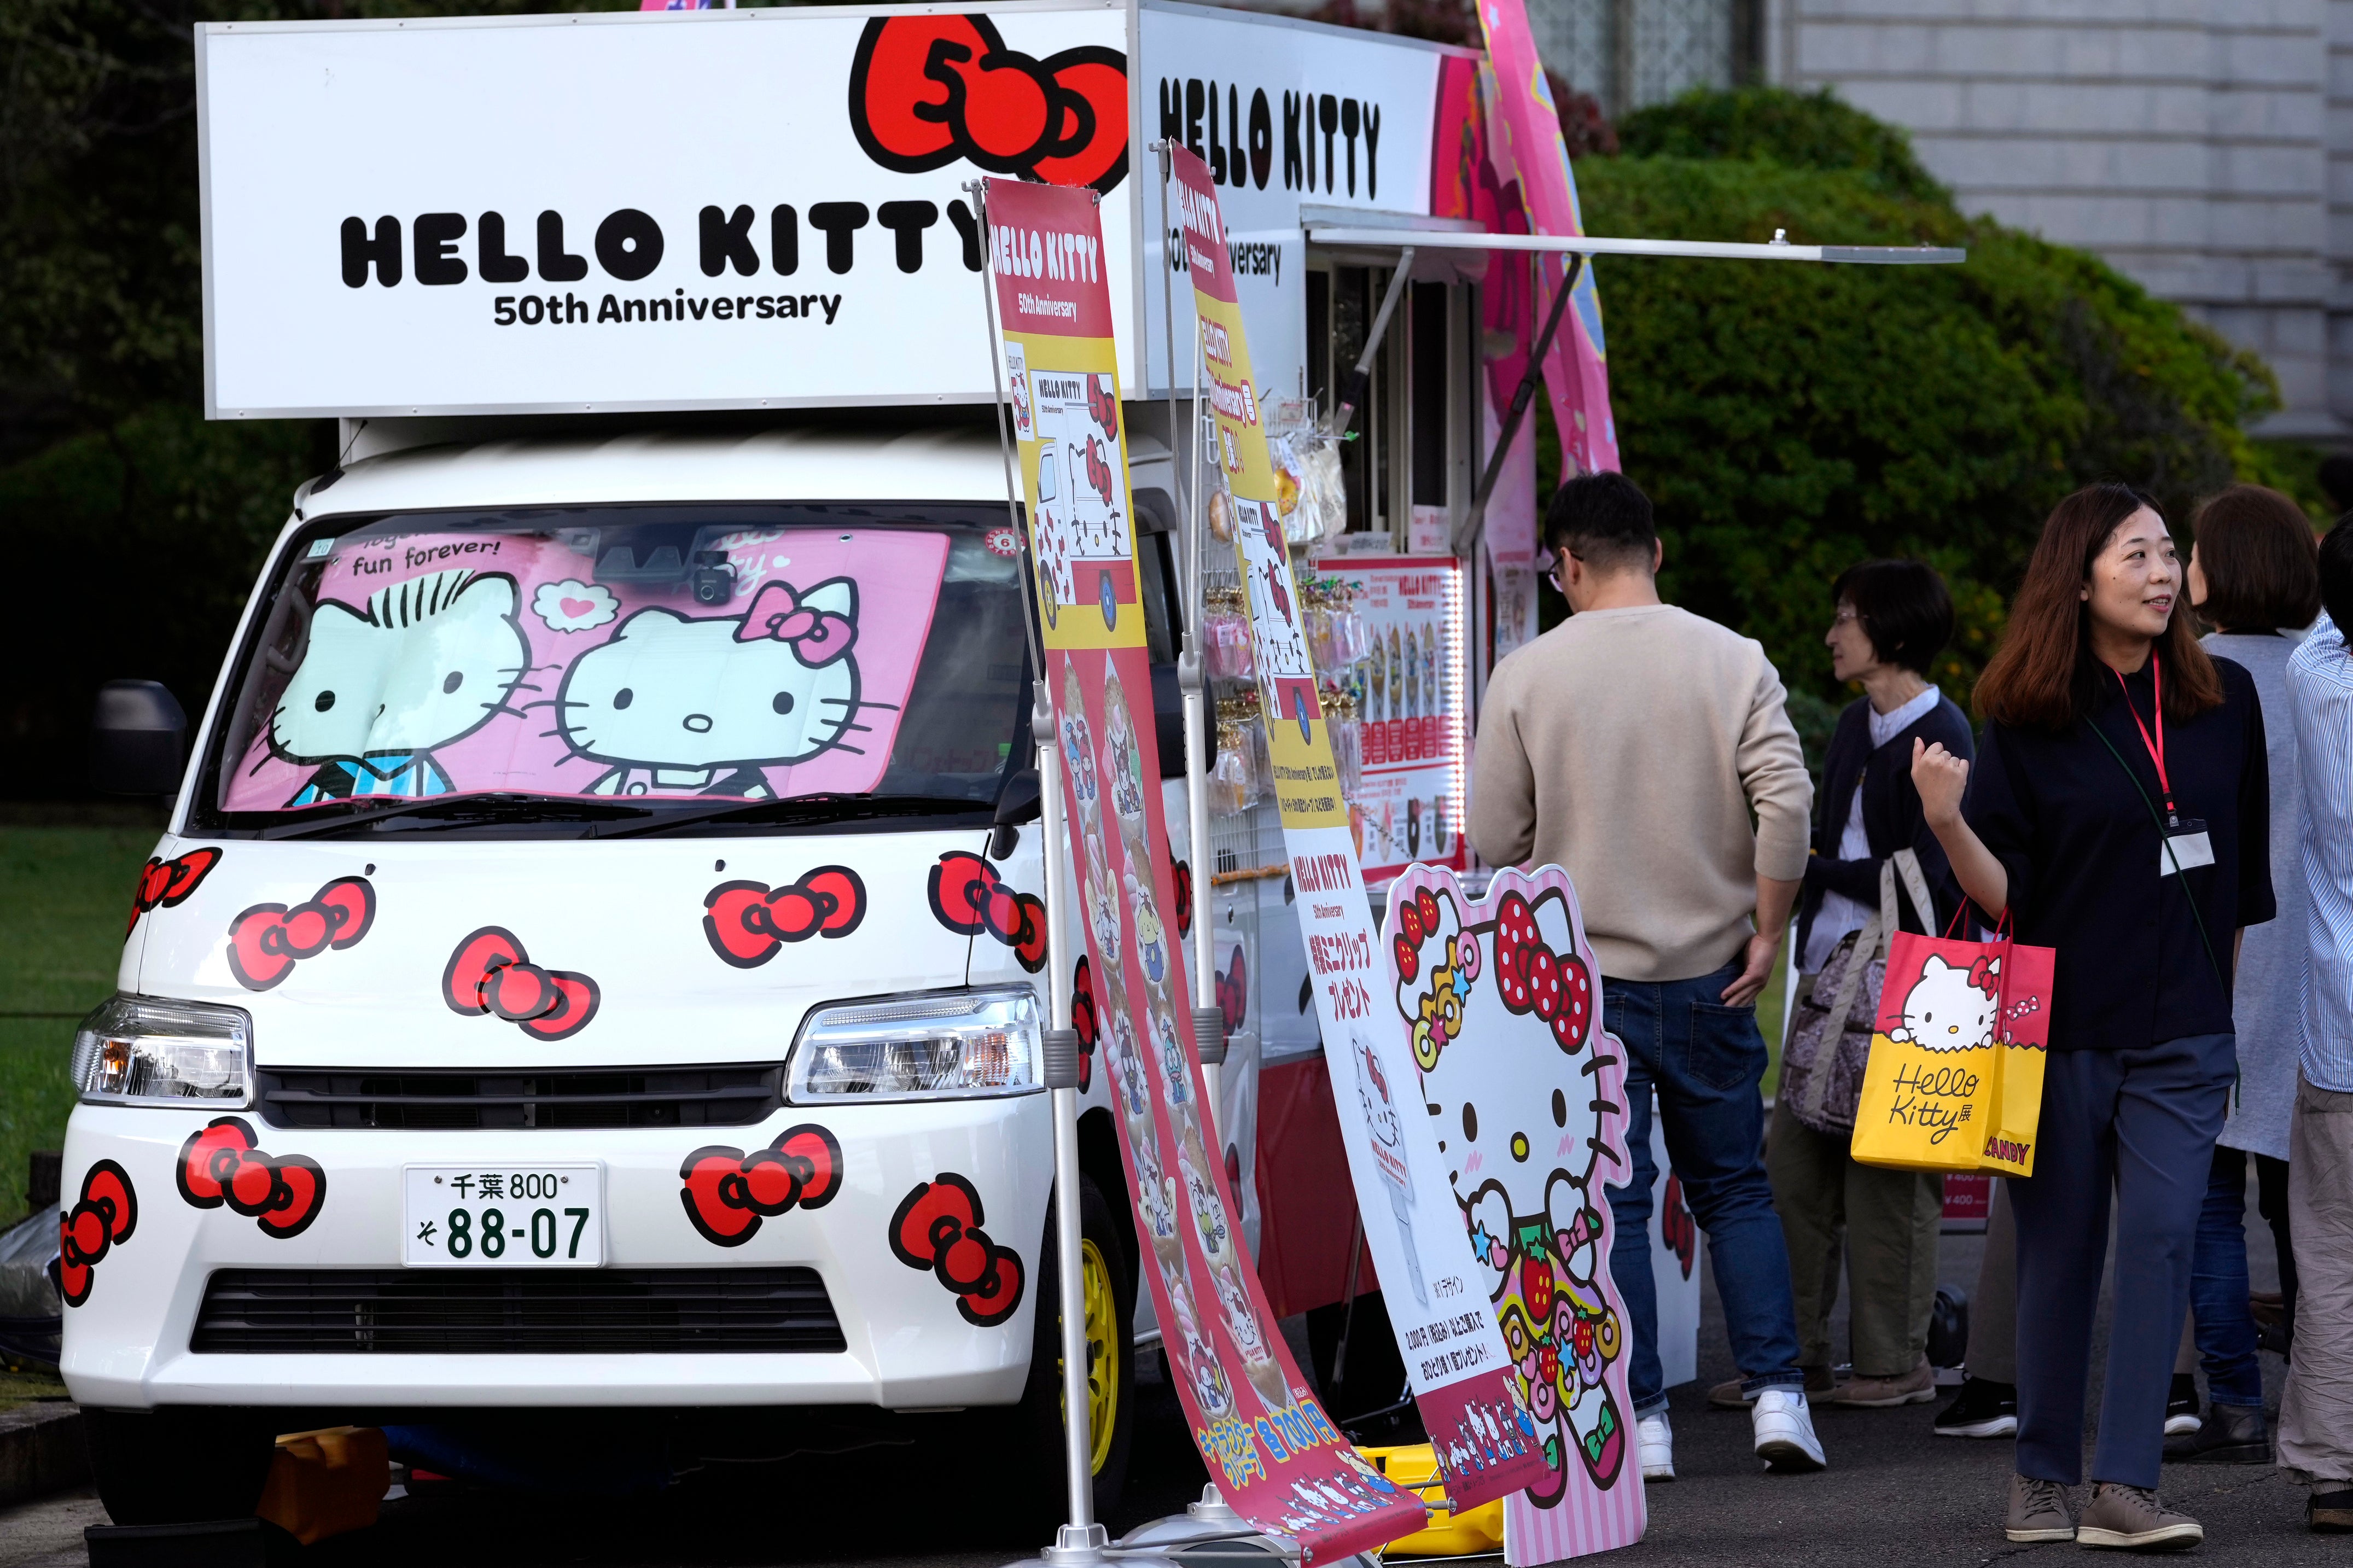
x: 1023, y: 801
x: 138, y: 739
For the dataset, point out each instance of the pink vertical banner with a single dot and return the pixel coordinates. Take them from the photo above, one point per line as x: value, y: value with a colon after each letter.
x: 1504, y: 999
x: 1527, y: 147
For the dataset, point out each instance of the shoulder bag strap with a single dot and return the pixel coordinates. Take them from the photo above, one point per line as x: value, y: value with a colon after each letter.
x: 1907, y: 866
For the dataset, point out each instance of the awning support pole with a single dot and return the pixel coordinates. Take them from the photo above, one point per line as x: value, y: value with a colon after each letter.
x: 1466, y: 538
x: 1360, y: 384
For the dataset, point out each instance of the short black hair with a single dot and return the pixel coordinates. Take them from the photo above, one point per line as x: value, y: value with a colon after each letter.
x: 2336, y: 576
x: 1604, y: 519
x: 1903, y: 607
x: 2255, y: 552
x: 2336, y: 479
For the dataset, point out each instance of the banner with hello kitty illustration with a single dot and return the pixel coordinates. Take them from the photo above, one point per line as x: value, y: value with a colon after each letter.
x: 1527, y: 1094
x: 554, y: 662
x: 1955, y: 1078
x: 1453, y: 1353
x: 1277, y: 1458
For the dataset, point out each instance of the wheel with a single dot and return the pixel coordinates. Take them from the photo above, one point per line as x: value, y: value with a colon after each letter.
x: 1035, y: 1489
x: 180, y: 1464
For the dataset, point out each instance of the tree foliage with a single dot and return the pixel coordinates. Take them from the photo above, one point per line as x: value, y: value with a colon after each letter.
x: 1790, y: 420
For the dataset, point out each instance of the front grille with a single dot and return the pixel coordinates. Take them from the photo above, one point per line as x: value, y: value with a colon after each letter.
x: 735, y: 1095
x: 514, y: 1312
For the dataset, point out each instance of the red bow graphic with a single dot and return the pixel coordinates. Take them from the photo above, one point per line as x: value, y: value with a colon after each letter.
x: 969, y: 897
x: 748, y: 922
x: 283, y: 1193
x: 938, y: 1227
x: 817, y: 637
x: 489, y: 973
x: 1233, y: 992
x: 165, y: 883
x: 1181, y: 876
x: 1085, y: 1021
x: 1983, y: 975
x: 106, y: 1213
x: 925, y: 91
x: 266, y: 941
x: 728, y: 1192
x: 1531, y: 977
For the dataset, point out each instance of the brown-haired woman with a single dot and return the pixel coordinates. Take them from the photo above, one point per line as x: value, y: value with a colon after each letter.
x: 2119, y: 810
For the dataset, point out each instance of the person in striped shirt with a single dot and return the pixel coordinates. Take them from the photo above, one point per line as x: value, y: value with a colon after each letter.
x: 2316, y: 1434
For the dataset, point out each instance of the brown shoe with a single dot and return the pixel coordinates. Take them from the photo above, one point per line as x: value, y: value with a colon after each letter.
x: 2136, y: 1518
x: 2039, y: 1511
x: 1820, y: 1385
x: 2329, y: 1513
x: 1917, y: 1387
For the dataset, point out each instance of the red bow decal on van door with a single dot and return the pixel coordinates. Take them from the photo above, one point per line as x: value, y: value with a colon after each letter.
x: 728, y: 1192
x: 746, y: 922
x: 925, y: 91
x: 165, y: 883
x: 266, y: 941
x: 490, y: 973
x: 283, y: 1193
x: 969, y: 898
x: 106, y: 1215
x: 938, y: 1227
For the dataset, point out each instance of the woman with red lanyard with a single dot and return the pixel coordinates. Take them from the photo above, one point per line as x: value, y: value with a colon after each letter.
x: 2118, y: 811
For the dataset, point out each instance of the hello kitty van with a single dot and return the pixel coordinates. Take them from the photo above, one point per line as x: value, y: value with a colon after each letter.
x: 593, y: 964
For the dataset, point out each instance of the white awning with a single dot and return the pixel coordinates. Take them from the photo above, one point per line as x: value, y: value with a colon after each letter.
x: 1704, y: 250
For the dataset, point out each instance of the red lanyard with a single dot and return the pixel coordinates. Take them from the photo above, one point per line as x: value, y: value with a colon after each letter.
x: 2156, y: 745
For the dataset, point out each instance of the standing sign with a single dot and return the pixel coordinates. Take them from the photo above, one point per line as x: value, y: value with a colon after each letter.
x: 1504, y: 998
x: 1416, y: 693
x: 1452, y: 1350
x: 1279, y: 1460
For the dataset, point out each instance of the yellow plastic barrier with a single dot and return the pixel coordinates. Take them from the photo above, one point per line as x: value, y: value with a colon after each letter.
x: 326, y: 1483
x: 1447, y: 1534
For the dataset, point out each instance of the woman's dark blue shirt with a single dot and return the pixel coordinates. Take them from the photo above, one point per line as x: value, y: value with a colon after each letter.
x: 2083, y: 852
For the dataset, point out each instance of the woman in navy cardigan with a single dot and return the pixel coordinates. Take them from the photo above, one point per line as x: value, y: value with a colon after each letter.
x: 2119, y: 810
x: 1894, y: 618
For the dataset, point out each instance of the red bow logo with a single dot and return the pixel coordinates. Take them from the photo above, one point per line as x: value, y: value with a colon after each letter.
x: 1233, y: 992
x: 1531, y: 977
x: 165, y: 883
x: 490, y: 973
x: 747, y: 922
x: 266, y: 941
x: 925, y: 91
x: 938, y: 1227
x: 969, y: 898
x: 106, y: 1215
x: 283, y: 1193
x: 1180, y: 876
x: 1085, y: 1022
x: 1104, y: 404
x: 1985, y: 973
x: 728, y: 1192
x: 817, y: 637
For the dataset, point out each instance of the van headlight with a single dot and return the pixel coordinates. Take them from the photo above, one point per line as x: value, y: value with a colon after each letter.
x: 941, y: 1046
x: 135, y: 1050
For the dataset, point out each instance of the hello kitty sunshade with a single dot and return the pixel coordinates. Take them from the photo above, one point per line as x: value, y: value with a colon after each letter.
x: 777, y: 662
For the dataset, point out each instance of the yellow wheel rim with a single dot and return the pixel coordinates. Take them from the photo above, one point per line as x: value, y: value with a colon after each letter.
x: 1103, y: 1361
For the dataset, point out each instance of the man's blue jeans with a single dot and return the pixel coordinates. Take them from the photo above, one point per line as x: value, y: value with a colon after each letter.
x: 1705, y: 1060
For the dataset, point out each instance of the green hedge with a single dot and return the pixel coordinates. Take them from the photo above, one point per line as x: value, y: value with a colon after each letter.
x: 1791, y: 419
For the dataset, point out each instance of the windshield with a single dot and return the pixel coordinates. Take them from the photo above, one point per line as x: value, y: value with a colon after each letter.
x: 655, y: 661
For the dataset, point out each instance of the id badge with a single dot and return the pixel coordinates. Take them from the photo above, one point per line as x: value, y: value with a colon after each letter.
x: 2185, y: 848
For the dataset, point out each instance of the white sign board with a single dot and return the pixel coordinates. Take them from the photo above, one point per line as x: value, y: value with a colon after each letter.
x: 736, y: 209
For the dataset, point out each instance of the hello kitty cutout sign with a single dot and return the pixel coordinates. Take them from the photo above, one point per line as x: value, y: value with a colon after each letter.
x: 1527, y: 1092
x: 515, y: 670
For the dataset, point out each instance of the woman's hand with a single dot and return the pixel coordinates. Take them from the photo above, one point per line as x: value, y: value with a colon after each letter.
x: 1940, y: 777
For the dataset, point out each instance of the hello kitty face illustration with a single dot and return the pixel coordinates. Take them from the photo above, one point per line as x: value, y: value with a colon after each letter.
x: 1950, y: 1007
x: 683, y: 706
x: 424, y: 663
x: 1240, y: 1320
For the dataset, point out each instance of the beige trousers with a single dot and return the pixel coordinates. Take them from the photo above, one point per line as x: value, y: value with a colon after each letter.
x: 2315, y: 1430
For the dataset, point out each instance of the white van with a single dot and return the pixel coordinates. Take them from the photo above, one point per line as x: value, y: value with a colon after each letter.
x: 485, y: 1039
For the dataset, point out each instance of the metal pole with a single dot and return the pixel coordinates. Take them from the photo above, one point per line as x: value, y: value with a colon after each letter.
x: 1208, y: 1019
x: 1082, y: 1537
x: 1358, y: 388
x: 1168, y: 343
x: 1468, y: 537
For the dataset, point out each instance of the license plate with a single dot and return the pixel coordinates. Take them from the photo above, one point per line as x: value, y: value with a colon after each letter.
x: 503, y: 1216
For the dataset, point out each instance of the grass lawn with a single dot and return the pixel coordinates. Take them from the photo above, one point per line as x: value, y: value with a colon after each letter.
x: 65, y: 895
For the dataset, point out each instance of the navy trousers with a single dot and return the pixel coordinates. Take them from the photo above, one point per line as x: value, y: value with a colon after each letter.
x: 2138, y: 1126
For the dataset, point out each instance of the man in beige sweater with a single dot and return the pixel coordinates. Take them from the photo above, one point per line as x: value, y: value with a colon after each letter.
x: 1633, y: 746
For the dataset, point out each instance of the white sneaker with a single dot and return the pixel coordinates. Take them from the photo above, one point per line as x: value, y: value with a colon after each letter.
x: 1658, y: 1440
x: 1785, y: 1432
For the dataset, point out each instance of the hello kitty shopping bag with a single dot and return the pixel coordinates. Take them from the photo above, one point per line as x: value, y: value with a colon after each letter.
x: 1955, y: 1078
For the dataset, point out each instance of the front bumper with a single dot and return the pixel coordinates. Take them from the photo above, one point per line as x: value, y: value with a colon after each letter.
x: 127, y: 1345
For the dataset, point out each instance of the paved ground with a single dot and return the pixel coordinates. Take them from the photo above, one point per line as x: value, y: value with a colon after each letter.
x: 1895, y: 1494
